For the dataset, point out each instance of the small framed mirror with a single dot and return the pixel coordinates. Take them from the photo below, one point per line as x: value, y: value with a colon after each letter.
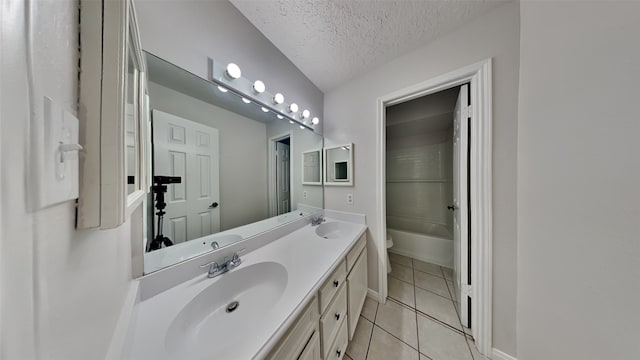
x: 312, y: 167
x: 338, y: 165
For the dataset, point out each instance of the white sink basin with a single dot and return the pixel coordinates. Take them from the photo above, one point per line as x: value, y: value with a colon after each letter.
x: 335, y: 229
x: 204, y: 329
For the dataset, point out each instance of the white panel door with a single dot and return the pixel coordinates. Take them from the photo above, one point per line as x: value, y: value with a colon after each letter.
x: 283, y: 178
x: 190, y: 150
x: 460, y: 204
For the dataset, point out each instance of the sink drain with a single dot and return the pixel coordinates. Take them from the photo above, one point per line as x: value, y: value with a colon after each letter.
x: 232, y: 306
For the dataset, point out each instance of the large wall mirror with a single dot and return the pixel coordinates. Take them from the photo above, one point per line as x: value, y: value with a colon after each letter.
x: 223, y: 169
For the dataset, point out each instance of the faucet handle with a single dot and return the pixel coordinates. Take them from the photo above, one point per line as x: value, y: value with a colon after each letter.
x: 213, y: 267
x: 235, y: 260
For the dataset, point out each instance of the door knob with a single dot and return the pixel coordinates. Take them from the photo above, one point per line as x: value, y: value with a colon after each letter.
x: 213, y: 206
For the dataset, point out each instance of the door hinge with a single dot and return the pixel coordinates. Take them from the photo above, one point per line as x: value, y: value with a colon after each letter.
x: 469, y: 112
x: 467, y: 290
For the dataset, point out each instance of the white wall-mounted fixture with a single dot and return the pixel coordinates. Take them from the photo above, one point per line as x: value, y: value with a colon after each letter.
x: 55, y: 173
x: 278, y: 99
x: 315, y: 121
x: 337, y: 166
x: 113, y: 97
x: 255, y: 92
x: 305, y: 114
x: 233, y: 71
x: 258, y: 87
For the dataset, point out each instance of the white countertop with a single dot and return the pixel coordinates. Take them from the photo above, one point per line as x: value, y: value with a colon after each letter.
x: 308, y: 259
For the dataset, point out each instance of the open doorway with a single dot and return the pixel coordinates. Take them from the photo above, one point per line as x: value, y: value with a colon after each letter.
x: 472, y: 258
x: 427, y: 198
x: 280, y: 197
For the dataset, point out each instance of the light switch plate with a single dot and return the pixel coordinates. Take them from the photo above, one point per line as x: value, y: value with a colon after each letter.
x: 56, y: 173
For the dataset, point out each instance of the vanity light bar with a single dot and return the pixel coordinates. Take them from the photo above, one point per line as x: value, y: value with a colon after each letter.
x: 245, y: 89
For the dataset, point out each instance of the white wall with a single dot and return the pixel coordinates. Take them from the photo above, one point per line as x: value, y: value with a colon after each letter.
x: 243, y: 164
x: 350, y: 113
x: 187, y: 32
x: 62, y: 289
x: 578, y: 176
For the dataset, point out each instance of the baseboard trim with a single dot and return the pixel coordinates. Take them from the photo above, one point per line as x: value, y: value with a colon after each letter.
x: 373, y: 295
x: 499, y: 355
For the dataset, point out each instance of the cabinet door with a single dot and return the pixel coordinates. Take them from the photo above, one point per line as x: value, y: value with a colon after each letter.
x: 356, y: 291
x: 312, y: 350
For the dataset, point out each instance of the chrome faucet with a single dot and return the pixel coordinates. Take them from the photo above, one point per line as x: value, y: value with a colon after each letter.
x: 317, y: 220
x: 216, y: 269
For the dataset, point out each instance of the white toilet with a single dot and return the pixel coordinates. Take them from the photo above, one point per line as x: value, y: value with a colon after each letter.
x: 389, y: 245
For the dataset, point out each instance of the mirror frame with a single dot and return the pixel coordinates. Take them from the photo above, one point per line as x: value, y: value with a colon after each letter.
x: 108, y: 32
x: 325, y: 164
x: 320, y: 156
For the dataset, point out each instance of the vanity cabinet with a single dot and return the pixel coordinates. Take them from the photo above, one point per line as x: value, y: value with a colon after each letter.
x: 301, y: 340
x: 356, y: 283
x: 327, y: 324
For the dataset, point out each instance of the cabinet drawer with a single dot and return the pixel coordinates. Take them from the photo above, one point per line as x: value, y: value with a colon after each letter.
x: 357, y: 291
x: 331, y: 286
x: 353, y: 254
x: 332, y: 319
x: 339, y: 345
x: 294, y: 341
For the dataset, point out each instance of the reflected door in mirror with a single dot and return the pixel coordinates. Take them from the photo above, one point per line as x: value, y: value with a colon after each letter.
x: 283, y: 180
x: 189, y: 150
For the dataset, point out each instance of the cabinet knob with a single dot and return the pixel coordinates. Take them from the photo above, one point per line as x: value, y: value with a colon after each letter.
x: 337, y: 316
x: 336, y: 283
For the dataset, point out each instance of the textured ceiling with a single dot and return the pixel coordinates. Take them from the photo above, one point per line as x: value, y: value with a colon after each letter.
x: 332, y: 41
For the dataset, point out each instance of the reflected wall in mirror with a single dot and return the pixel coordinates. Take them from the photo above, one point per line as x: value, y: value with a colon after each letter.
x: 338, y: 165
x: 225, y: 169
x: 312, y: 167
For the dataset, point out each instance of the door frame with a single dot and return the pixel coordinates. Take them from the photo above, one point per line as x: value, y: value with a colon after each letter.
x: 272, y: 193
x: 479, y: 77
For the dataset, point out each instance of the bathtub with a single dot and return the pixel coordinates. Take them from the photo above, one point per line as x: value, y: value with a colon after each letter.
x: 428, y: 242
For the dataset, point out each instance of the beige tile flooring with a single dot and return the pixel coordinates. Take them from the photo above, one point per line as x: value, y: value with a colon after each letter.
x: 419, y: 320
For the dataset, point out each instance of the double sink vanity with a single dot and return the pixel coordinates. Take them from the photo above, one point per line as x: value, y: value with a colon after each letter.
x: 295, y: 297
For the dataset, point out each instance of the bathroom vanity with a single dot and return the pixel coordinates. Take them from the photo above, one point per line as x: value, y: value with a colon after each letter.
x: 296, y: 297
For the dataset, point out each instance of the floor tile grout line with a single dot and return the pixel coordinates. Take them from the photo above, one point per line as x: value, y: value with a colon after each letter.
x: 415, y: 312
x: 428, y: 273
x: 444, y: 297
x: 432, y: 318
x: 373, y: 324
x: 395, y: 337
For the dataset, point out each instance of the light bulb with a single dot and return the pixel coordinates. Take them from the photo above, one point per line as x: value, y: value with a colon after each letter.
x: 264, y: 109
x: 233, y: 71
x: 291, y: 122
x: 246, y: 101
x: 302, y: 127
x: 278, y: 99
x: 258, y: 87
x: 222, y: 89
x: 305, y: 113
x: 315, y: 121
x: 280, y: 117
x: 293, y: 108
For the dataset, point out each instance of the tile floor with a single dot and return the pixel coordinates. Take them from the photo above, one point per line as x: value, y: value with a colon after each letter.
x: 419, y: 320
